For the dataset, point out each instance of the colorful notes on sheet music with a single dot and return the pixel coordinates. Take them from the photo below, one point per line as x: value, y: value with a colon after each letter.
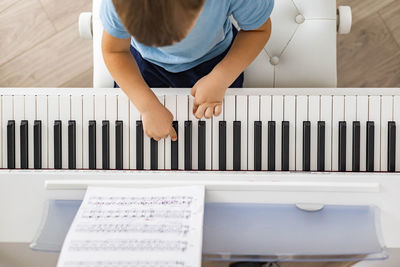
x: 136, y: 227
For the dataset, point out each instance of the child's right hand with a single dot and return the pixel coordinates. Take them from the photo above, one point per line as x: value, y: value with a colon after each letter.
x: 157, y: 123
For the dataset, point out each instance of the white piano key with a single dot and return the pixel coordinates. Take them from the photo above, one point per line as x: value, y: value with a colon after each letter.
x: 265, y: 115
x: 254, y: 115
x: 314, y: 116
x: 100, y: 115
x: 375, y: 116
x: 215, y: 138
x: 111, y: 115
x: 362, y: 116
x: 350, y: 116
x: 396, y: 118
x: 41, y: 111
x: 19, y: 115
x: 53, y: 115
x: 170, y: 104
x: 302, y: 115
x: 326, y: 116
x: 278, y: 117
x: 337, y: 115
x: 241, y: 115
x: 88, y: 114
x: 76, y: 115
x: 290, y: 115
x: 146, y: 152
x: 195, y: 136
x: 30, y: 115
x: 230, y: 116
x: 161, y: 143
x: 387, y: 115
x: 123, y: 115
x: 134, y: 116
x: 65, y: 115
x: 7, y: 114
x: 209, y: 143
x: 182, y: 103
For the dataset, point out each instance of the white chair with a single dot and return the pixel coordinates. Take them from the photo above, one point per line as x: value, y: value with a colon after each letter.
x: 300, y: 53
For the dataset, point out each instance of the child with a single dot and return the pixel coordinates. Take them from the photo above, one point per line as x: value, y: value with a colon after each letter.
x: 181, y: 43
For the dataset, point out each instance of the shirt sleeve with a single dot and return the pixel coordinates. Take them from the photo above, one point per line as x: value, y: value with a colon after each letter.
x: 111, y: 22
x: 251, y: 14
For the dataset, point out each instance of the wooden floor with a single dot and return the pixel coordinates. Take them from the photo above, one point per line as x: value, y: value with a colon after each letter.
x: 40, y: 45
x: 370, y: 55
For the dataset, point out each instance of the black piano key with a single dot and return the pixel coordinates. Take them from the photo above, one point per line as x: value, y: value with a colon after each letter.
x: 24, y: 144
x: 57, y: 144
x: 391, y: 157
x: 71, y: 144
x: 92, y: 145
x: 257, y: 145
x: 202, y: 145
x: 139, y: 146
x: 370, y: 145
x: 321, y: 146
x: 222, y: 145
x: 236, y: 145
x: 271, y: 145
x: 306, y: 145
x: 153, y: 154
x: 285, y: 145
x: 11, y: 144
x: 355, y: 161
x: 342, y: 146
x: 174, y: 149
x: 119, y: 145
x: 105, y: 144
x: 188, y: 145
x: 37, y: 144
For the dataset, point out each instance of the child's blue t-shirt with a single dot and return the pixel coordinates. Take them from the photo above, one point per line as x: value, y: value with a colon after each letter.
x: 211, y: 35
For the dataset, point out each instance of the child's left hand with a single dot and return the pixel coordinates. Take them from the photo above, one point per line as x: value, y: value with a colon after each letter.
x: 208, y: 95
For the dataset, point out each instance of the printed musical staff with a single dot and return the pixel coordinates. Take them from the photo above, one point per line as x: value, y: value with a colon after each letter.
x: 181, y: 229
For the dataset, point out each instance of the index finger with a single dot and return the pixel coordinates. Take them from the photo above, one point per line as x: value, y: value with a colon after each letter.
x: 200, y: 111
x: 173, y: 134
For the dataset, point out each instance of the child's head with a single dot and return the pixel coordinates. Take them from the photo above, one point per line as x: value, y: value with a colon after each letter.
x: 158, y: 22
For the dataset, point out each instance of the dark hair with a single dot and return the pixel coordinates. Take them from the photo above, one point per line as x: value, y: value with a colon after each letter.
x: 158, y: 22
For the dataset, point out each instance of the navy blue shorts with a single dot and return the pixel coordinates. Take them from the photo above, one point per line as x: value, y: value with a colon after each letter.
x: 157, y: 77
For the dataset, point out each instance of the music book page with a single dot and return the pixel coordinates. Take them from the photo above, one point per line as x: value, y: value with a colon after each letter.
x: 127, y: 227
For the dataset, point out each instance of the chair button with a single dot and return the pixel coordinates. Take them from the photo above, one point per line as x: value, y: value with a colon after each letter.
x: 274, y: 60
x: 300, y: 19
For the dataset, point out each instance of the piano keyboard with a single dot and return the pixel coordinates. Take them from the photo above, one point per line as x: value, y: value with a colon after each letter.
x: 259, y: 129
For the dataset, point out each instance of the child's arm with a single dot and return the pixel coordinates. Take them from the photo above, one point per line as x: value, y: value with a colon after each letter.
x: 210, y: 90
x: 157, y: 120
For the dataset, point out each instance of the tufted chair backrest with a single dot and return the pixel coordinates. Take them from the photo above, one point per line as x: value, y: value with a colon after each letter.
x: 301, y: 51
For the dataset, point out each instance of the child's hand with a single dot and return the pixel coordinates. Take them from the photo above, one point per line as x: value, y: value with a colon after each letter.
x: 157, y: 123
x: 208, y: 95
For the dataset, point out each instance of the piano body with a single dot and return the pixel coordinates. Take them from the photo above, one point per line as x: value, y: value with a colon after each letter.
x: 305, y: 147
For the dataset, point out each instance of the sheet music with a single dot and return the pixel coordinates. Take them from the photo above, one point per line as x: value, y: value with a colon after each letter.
x: 126, y: 227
